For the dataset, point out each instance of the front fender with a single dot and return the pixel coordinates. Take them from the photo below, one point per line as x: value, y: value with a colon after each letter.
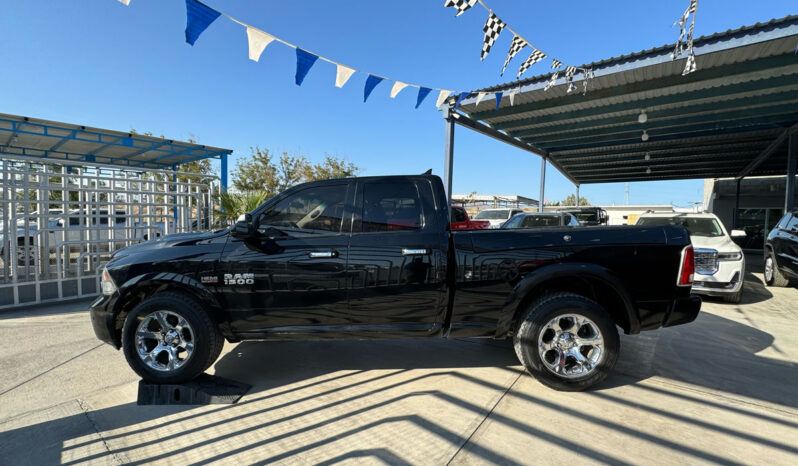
x: 534, y: 282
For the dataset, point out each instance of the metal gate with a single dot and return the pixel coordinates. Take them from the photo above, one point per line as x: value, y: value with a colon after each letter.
x: 60, y: 223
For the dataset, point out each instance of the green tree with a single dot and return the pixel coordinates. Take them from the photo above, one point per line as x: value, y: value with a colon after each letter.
x: 331, y: 168
x: 571, y: 201
x: 258, y: 173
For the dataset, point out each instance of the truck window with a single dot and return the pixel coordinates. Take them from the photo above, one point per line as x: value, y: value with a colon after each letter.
x: 458, y: 215
x: 315, y: 208
x: 393, y: 206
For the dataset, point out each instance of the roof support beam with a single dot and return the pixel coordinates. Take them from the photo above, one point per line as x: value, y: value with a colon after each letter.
x: 481, y: 128
x: 792, y: 165
x: 767, y: 152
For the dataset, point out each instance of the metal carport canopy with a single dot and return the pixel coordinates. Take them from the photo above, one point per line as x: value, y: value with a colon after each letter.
x: 50, y: 141
x: 730, y: 118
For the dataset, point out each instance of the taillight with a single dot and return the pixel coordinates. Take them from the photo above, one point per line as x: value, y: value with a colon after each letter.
x: 687, y: 268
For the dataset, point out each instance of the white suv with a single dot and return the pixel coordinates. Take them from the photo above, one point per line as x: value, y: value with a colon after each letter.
x: 496, y: 217
x: 719, y: 262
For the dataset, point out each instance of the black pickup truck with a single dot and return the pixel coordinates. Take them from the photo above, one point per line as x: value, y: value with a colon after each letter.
x: 374, y: 257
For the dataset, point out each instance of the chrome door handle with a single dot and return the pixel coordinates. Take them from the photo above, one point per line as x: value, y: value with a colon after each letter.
x: 414, y: 252
x: 322, y: 254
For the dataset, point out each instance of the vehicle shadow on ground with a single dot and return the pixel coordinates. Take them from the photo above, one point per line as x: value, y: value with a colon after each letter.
x: 712, y: 352
x: 345, y: 386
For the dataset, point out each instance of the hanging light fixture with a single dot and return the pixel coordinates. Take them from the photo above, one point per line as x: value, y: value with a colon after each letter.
x: 642, y: 118
x: 648, y: 170
x: 648, y: 156
x: 644, y: 137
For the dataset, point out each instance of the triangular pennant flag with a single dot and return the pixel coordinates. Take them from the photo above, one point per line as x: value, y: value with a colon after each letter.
x: 460, y: 98
x: 515, y: 46
x: 258, y: 40
x: 423, y: 92
x: 442, y: 97
x: 480, y: 96
x: 342, y: 75
x: 461, y: 5
x: 126, y: 2
x: 511, y: 94
x: 397, y: 88
x: 552, y: 80
x: 533, y: 58
x: 304, y: 61
x: 492, y: 28
x: 498, y: 99
x: 198, y: 17
x: 555, y: 63
x: 371, y: 83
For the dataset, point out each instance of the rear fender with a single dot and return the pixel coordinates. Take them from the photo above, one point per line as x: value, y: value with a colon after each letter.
x: 534, y: 284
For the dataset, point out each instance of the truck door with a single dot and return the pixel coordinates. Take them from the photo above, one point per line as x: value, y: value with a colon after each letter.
x: 397, y: 259
x: 291, y: 278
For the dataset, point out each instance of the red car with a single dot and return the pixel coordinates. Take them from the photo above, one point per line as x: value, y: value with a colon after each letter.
x: 461, y: 221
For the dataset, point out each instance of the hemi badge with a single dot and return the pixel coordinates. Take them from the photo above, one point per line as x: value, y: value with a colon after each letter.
x: 210, y: 279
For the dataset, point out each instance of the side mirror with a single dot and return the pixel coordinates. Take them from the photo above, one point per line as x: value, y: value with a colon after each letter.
x: 738, y: 233
x: 244, y: 228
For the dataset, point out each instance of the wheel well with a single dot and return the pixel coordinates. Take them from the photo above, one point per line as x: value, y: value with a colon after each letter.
x: 592, y: 288
x: 133, y: 297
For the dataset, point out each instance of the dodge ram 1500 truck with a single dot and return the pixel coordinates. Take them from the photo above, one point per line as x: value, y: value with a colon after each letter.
x: 375, y: 257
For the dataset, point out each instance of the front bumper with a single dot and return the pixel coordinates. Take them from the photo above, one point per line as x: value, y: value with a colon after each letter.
x: 103, y: 320
x: 727, y: 279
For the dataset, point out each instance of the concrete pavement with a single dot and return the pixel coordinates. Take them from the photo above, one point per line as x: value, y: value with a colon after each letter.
x: 719, y: 390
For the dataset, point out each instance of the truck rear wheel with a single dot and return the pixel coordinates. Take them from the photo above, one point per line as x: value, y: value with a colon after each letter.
x: 169, y: 338
x: 567, y: 342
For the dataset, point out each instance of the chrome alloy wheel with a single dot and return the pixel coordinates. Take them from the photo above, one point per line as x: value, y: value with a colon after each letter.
x: 571, y: 346
x: 769, y: 269
x: 164, y: 340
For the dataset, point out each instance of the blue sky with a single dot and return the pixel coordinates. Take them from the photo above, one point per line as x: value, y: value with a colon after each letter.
x: 99, y: 63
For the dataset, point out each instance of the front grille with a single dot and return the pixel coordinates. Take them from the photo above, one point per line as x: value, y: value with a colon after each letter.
x: 706, y: 261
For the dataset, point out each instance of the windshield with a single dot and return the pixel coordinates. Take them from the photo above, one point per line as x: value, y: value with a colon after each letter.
x: 493, y: 215
x: 695, y: 226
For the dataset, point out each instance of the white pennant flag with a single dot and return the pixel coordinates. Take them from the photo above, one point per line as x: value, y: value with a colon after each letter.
x: 258, y: 40
x: 511, y: 94
x: 342, y: 75
x: 442, y: 97
x: 480, y: 96
x: 397, y: 87
x: 126, y: 2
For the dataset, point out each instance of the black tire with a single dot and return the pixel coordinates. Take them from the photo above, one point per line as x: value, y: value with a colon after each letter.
x: 773, y: 277
x: 734, y: 298
x: 205, y: 336
x: 534, y: 321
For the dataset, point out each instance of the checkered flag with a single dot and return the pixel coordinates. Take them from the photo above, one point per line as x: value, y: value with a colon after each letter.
x: 460, y: 5
x: 515, y: 47
x: 555, y: 63
x: 569, y: 78
x: 493, y: 27
x: 534, y: 57
x: 552, y: 80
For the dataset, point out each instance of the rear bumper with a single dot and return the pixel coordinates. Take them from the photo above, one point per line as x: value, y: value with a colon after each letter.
x: 656, y: 314
x: 103, y: 320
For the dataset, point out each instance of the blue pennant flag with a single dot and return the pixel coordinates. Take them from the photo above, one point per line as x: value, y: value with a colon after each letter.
x: 423, y: 92
x: 371, y: 83
x: 498, y: 99
x: 198, y: 17
x: 304, y: 60
x: 460, y: 98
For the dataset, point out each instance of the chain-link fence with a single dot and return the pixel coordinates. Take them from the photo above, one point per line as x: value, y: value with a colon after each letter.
x: 59, y: 223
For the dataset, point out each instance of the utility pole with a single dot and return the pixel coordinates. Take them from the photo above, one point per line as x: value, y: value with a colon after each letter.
x: 626, y: 196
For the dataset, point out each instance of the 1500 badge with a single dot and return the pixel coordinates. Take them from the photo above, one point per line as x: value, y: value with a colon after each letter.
x: 239, y: 279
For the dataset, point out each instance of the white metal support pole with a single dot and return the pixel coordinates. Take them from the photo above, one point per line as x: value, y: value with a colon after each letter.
x: 448, y: 159
x: 542, y: 183
x: 577, y: 195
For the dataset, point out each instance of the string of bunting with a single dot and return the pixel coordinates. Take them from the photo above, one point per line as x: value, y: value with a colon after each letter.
x: 199, y: 16
x: 493, y: 28
x: 685, y: 42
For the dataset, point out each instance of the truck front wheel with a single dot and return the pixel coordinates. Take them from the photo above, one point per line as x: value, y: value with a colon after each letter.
x: 567, y: 342
x: 169, y: 338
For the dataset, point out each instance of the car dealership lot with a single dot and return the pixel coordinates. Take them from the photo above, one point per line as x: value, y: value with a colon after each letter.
x: 721, y: 389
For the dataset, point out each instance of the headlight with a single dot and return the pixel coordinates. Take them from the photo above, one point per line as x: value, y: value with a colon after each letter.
x: 730, y: 256
x: 107, y: 283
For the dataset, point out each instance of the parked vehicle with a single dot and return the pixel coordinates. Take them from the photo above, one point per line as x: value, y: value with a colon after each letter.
x: 461, y: 221
x: 496, y: 217
x: 374, y: 258
x: 541, y: 220
x: 781, y: 251
x: 719, y: 261
x: 75, y: 227
x: 588, y: 215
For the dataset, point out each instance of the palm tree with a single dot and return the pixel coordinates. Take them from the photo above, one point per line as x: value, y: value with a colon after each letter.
x: 234, y: 205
